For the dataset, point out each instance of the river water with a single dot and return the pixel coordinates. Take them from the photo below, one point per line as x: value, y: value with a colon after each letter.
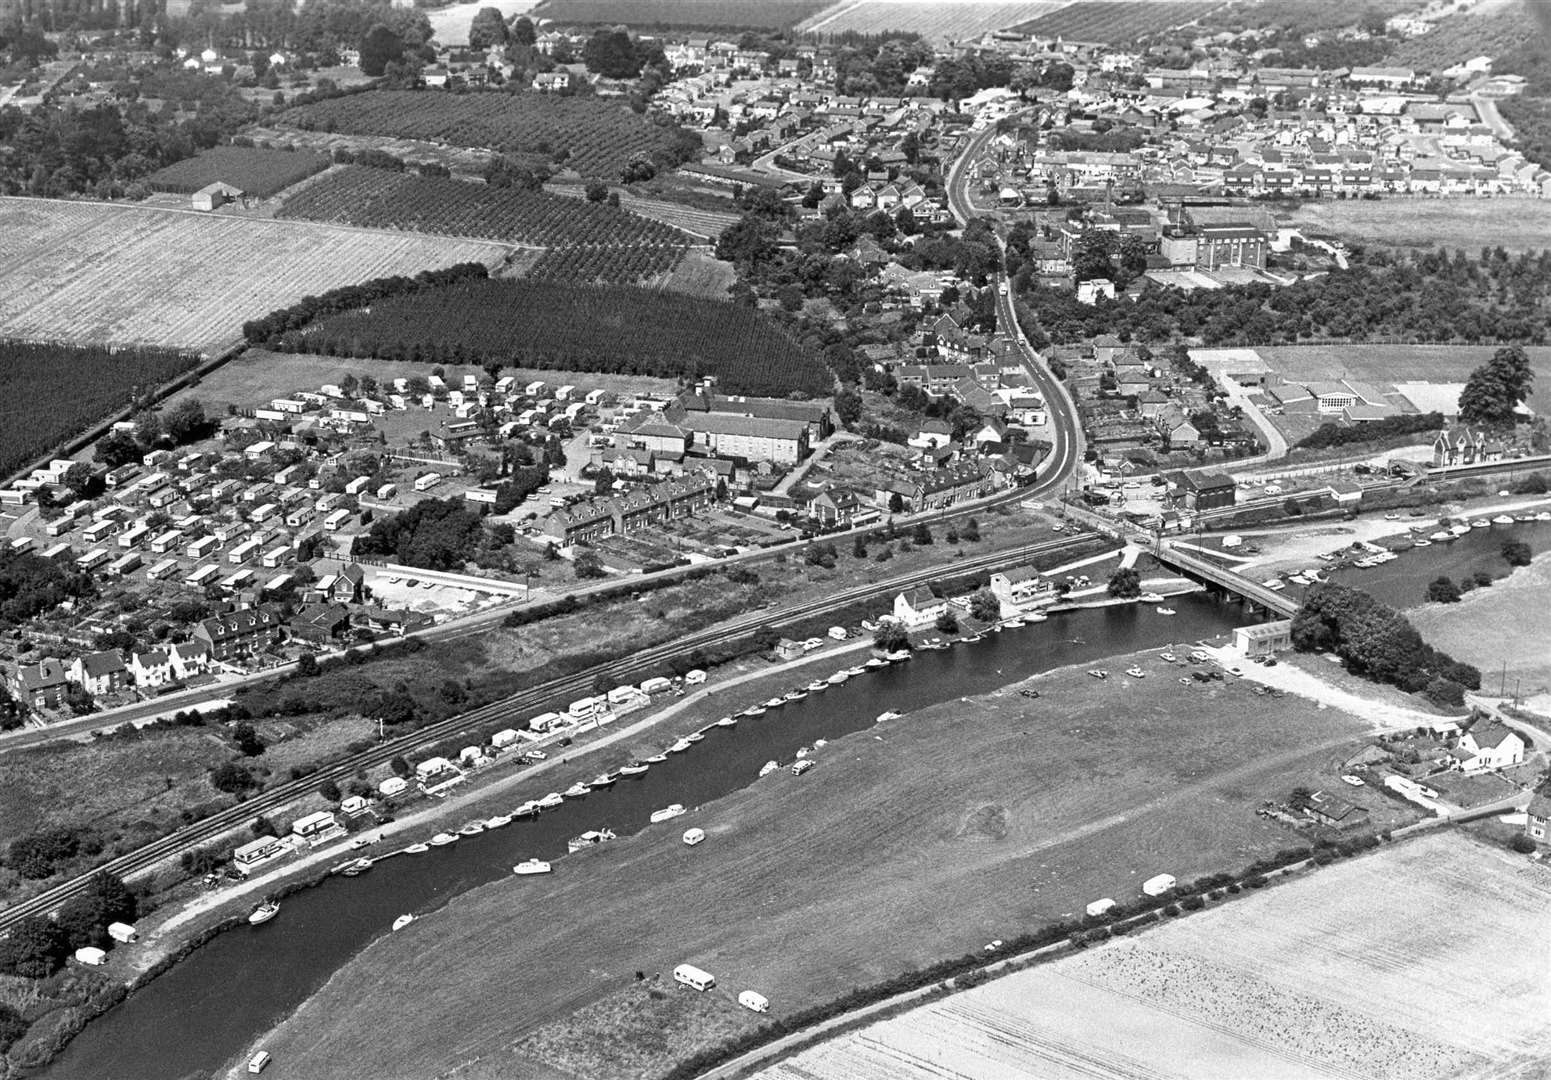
x: 206, y: 1010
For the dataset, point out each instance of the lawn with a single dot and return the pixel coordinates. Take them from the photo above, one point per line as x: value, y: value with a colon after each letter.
x: 1502, y: 630
x: 1465, y: 223
x: 1360, y: 969
x: 110, y: 274
x: 921, y: 839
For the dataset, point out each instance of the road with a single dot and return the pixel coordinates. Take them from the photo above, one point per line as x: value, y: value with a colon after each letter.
x: 1486, y: 108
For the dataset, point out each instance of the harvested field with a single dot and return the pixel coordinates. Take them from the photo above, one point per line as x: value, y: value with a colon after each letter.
x: 1383, y: 364
x: 1358, y: 970
x: 912, y: 841
x: 752, y: 14
x: 935, y: 21
x: 1116, y: 21
x: 1430, y: 223
x: 107, y: 274
x: 255, y: 171
x: 593, y: 136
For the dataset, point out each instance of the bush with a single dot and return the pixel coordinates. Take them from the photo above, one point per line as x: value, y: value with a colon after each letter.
x: 1522, y: 844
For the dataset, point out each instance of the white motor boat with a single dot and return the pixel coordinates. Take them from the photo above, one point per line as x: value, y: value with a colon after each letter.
x: 590, y: 838
x: 1164, y: 610
x: 532, y: 866
x: 550, y: 801
x: 769, y: 767
x: 402, y: 921
x: 668, y: 813
x: 680, y: 746
x: 727, y: 721
x: 264, y: 912
x: 577, y: 791
x: 442, y: 839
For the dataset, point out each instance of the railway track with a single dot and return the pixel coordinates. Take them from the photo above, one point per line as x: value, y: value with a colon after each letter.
x: 514, y: 710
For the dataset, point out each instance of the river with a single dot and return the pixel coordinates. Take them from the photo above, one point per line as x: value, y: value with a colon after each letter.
x: 197, y: 1017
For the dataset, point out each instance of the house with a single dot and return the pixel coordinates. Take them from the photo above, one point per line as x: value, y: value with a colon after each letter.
x: 320, y: 623
x: 189, y: 658
x: 151, y: 669
x: 99, y: 672
x: 552, y: 82
x: 213, y: 195
x: 834, y: 507
x: 1489, y: 744
x: 41, y: 685
x: 1337, y: 813
x: 1021, y: 585
x: 348, y: 585
x: 239, y: 633
x: 1537, y: 820
x: 918, y: 608
x: 931, y: 434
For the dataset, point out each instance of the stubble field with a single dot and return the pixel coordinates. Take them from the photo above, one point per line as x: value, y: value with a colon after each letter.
x: 1508, y: 222
x: 103, y: 274
x: 1370, y: 968
x: 912, y: 841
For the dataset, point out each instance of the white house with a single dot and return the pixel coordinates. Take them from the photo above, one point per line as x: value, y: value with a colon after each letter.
x: 100, y: 672
x: 1490, y: 744
x: 1020, y: 585
x: 918, y: 608
x: 151, y: 669
x: 931, y: 435
x: 189, y: 658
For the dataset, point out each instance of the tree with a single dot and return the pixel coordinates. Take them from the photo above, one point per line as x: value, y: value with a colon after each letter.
x: 921, y: 535
x: 307, y: 665
x: 247, y: 741
x: 523, y: 31
x: 186, y: 422
x: 1517, y: 552
x: 82, y: 479
x: 1496, y: 389
x: 597, y: 191
x: 487, y: 28
x: 1522, y: 844
x: 612, y: 54
x: 1442, y: 591
x: 330, y: 791
x: 400, y: 767
x: 1092, y: 257
x: 379, y: 48
x: 588, y: 564
x: 118, y: 448
x: 970, y: 531
x: 34, y: 948
x: 1446, y: 693
x: 848, y: 406
x: 1125, y: 583
x: 896, y: 503
x: 232, y: 778
x: 890, y: 636
x: 948, y: 622
x: 984, y: 606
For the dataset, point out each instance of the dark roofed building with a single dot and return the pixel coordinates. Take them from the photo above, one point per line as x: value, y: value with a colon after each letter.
x: 41, y: 685
x: 239, y: 633
x: 1204, y: 490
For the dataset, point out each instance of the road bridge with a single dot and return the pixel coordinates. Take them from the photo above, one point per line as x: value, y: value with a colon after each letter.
x: 1212, y: 573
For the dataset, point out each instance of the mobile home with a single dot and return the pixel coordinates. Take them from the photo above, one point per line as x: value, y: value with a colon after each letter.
x: 205, y: 545
x: 243, y: 551
x: 93, y: 559
x: 203, y: 576
x: 165, y: 568
x: 694, y: 978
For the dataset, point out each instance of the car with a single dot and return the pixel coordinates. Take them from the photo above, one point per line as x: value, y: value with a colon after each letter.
x: 1058, y: 527
x: 1236, y: 671
x: 1504, y: 494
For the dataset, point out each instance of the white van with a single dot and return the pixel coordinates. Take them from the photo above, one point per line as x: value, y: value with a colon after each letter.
x: 693, y: 977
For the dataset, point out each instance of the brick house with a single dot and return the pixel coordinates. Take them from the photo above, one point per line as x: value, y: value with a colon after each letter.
x: 99, y: 672
x: 41, y: 685
x: 239, y: 633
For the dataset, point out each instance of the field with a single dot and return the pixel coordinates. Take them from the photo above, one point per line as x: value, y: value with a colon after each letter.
x: 381, y: 199
x: 1116, y: 21
x: 450, y: 24
x: 642, y: 264
x: 1360, y: 970
x: 741, y: 14
x: 1302, y: 16
x: 1429, y: 223
x: 912, y: 841
x: 593, y: 136
x: 934, y: 21
x: 1502, y: 630
x: 255, y: 171
x: 49, y: 393
x: 1464, y: 36
x: 1384, y: 364
x: 701, y: 275
x: 550, y: 326
x: 103, y: 274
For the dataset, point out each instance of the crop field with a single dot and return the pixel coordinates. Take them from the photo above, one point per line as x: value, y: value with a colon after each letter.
x: 932, y: 19
x: 1116, y: 21
x: 911, y: 841
x: 1359, y: 970
x: 50, y: 392
x: 255, y: 171
x: 1301, y: 16
x: 102, y: 274
x: 1463, y: 36
x: 751, y: 14
x: 1430, y: 223
x: 551, y: 326
x: 450, y: 24
x: 381, y: 199
x: 641, y: 264
x: 591, y: 135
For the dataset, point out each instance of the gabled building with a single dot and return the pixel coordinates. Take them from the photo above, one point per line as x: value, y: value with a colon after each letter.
x: 41, y: 685
x: 188, y: 659
x: 918, y: 608
x: 151, y: 669
x: 239, y: 633
x: 1489, y: 744
x: 99, y: 672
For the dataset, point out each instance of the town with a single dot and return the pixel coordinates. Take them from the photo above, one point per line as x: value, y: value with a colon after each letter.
x: 1053, y: 495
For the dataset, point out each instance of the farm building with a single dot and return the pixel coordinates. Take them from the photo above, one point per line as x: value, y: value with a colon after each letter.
x: 215, y: 195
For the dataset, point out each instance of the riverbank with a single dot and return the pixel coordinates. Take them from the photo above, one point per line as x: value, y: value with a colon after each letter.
x: 1505, y: 630
x: 912, y: 840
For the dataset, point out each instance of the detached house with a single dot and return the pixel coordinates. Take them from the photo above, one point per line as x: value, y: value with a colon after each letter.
x: 189, y: 658
x: 99, y: 672
x: 41, y: 685
x: 1489, y: 744
x: 1020, y: 585
x: 151, y: 669
x: 918, y: 608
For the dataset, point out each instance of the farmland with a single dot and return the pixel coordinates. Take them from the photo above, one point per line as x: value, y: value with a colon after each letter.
x: 642, y: 264
x: 1428, y: 223
x: 1301, y: 16
x: 450, y: 24
x: 911, y: 841
x: 729, y: 14
x: 1462, y: 36
x: 381, y: 199
x: 255, y: 171
x: 593, y: 136
x: 550, y: 326
x: 1116, y: 22
x: 50, y: 392
x: 1361, y: 969
x: 935, y: 21
x: 94, y: 273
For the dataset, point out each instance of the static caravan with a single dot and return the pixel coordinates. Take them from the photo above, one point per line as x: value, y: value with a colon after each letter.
x: 428, y: 481
x: 274, y: 416
x: 336, y: 521
x: 455, y: 398
x: 58, y: 551
x: 754, y: 1002
x: 358, y: 485
x: 546, y: 722
x: 276, y: 583
x: 300, y: 516
x: 1157, y: 886
x: 387, y: 491
x: 99, y: 531
x: 255, y: 852
x: 582, y: 708
x: 398, y: 402
x: 693, y: 977
x: 288, y: 405
x: 124, y: 564
x: 244, y: 551
x: 167, y: 541
x: 1099, y: 907
x: 565, y: 392
x: 134, y: 537
x: 288, y: 474
x: 93, y: 559
x: 90, y: 954
x: 231, y: 530
x: 203, y: 576
x: 163, y: 498
x: 504, y: 384
x: 328, y: 502
x: 265, y: 512
x: 240, y: 580
x: 224, y: 490
x: 534, y: 389
x: 205, y: 545
x: 15, y: 497
x: 622, y: 695
x: 276, y: 556
x: 165, y: 568
x: 656, y: 685
x: 123, y: 933
x: 21, y: 544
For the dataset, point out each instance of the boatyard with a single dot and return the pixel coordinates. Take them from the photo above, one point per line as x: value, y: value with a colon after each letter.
x: 1133, y: 781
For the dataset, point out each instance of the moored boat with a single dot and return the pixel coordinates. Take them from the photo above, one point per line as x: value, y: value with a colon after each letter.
x: 472, y: 828
x: 1502, y: 519
x: 839, y: 677
x: 888, y: 714
x: 442, y: 839
x: 590, y: 838
x: 855, y: 671
x: 1014, y: 623
x: 1136, y: 672
x: 775, y: 703
x: 876, y: 662
x: 635, y: 768
x: 1480, y: 523
x: 355, y: 867
x: 727, y: 721
x: 603, y: 780
x: 694, y: 736
x: 527, y: 809
x: 417, y: 849
x: 668, y: 813
x: 264, y: 912
x: 753, y: 710
x: 1442, y: 535
x: 402, y: 921
x: 532, y: 866
x: 498, y: 822
x: 769, y: 767
x: 577, y: 790
x: 680, y: 746
x: 550, y: 801
x: 1164, y: 610
x: 795, y: 695
x: 1422, y: 543
x: 657, y: 759
x: 898, y: 656
x: 817, y: 685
